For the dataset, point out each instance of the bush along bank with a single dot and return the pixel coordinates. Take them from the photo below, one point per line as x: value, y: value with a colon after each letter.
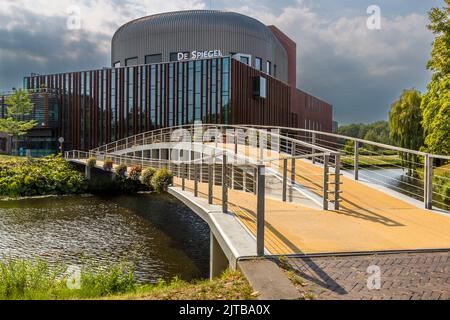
x: 51, y: 175
x: 130, y: 179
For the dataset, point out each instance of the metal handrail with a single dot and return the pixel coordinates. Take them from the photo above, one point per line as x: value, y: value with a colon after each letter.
x: 376, y: 144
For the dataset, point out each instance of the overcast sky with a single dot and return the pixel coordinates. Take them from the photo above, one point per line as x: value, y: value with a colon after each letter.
x: 360, y: 71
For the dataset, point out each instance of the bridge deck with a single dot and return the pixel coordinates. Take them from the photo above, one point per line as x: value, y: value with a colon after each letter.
x: 369, y: 220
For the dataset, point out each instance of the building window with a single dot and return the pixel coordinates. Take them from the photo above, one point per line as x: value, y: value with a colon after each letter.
x: 131, y: 61
x: 258, y: 64
x: 260, y: 87
x: 153, y: 58
x: 269, y: 68
x: 117, y: 64
x: 275, y: 71
x: 245, y: 60
x: 174, y: 56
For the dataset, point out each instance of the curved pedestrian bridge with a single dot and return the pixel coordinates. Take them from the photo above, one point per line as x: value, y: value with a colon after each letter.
x: 289, y: 191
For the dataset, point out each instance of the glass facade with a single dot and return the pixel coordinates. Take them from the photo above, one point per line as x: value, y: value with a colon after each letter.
x: 42, y: 140
x: 153, y: 58
x: 258, y: 64
x: 101, y: 106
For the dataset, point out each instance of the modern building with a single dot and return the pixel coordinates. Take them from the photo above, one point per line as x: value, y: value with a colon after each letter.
x: 176, y: 68
x: 42, y: 140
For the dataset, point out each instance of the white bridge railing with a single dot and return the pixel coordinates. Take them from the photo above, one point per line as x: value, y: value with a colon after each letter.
x: 422, y: 175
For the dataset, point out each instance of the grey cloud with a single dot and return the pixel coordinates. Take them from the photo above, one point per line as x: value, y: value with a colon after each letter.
x: 44, y: 45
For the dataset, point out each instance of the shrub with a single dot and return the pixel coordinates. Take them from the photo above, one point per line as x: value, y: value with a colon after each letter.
x: 121, y: 170
x: 135, y: 172
x: 162, y: 179
x: 91, y: 162
x: 147, y: 176
x: 115, y: 279
x: 44, y: 176
x: 108, y: 165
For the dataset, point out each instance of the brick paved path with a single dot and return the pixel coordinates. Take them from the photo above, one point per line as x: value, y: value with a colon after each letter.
x: 403, y: 276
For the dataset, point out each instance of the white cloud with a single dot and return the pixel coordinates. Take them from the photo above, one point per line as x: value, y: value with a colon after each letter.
x: 349, y: 65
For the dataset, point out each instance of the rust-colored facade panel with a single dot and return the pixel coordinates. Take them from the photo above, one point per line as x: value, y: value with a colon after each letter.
x: 101, y: 106
x: 246, y: 109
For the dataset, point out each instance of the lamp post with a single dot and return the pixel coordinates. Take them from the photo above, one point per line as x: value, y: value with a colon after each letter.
x: 61, y: 141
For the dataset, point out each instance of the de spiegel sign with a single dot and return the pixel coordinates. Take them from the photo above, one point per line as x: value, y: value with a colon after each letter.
x: 197, y: 55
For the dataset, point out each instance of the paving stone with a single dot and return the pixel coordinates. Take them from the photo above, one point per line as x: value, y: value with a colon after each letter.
x: 414, y: 276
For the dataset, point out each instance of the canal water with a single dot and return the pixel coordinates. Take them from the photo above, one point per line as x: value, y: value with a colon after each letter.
x: 157, y: 233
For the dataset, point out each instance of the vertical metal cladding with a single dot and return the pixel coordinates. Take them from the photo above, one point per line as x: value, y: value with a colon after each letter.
x: 187, y: 31
x: 101, y: 106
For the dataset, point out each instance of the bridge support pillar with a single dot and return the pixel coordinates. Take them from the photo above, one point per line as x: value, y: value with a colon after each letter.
x: 218, y: 260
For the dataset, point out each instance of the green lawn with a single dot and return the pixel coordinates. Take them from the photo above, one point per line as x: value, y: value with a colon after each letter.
x: 371, y: 160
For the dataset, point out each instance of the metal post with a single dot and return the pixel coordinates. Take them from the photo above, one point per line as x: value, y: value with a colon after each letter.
x: 337, y: 182
x: 313, y: 142
x: 159, y: 158
x: 195, y: 180
x: 356, y: 160
x: 224, y: 185
x: 255, y: 180
x: 210, y: 184
x: 428, y: 182
x: 244, y: 179
x: 232, y: 185
x: 261, y: 149
x: 183, y: 177
x: 425, y: 180
x: 260, y: 210
x: 284, y: 196
x: 326, y: 161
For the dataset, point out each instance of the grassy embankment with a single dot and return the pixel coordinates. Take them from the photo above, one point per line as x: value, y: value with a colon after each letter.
x: 35, y: 280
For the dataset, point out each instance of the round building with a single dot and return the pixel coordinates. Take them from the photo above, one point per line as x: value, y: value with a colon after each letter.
x: 191, y: 35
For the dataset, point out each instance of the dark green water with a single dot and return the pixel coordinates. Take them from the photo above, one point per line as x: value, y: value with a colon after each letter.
x: 158, y: 234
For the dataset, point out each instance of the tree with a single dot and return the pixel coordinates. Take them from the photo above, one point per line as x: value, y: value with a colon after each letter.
x: 406, y: 130
x: 19, y: 107
x: 436, y: 102
x: 440, y: 55
x: 378, y: 132
x: 436, y: 117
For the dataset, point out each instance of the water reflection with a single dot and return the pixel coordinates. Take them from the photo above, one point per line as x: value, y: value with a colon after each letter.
x: 157, y: 233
